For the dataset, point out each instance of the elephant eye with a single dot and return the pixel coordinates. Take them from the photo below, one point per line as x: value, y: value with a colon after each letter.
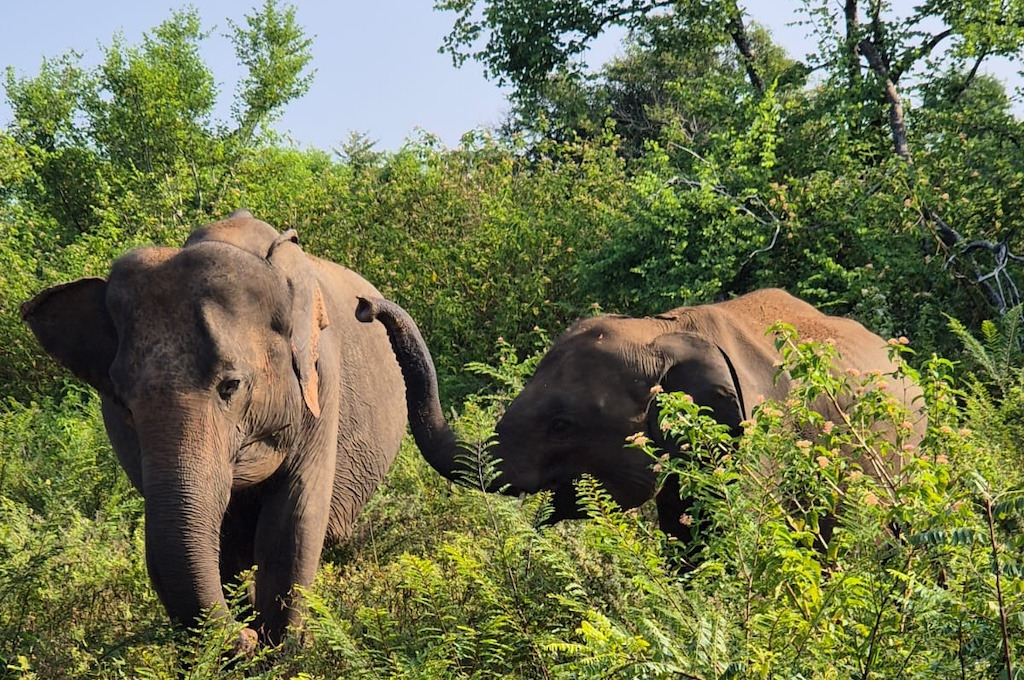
x: 560, y: 426
x: 227, y: 388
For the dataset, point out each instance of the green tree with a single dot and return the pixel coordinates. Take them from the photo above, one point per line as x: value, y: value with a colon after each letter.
x: 138, y: 131
x: 99, y: 159
x: 523, y: 42
x: 671, y: 82
x: 884, y: 186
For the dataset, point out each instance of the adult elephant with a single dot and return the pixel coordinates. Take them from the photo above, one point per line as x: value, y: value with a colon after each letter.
x: 244, y: 401
x: 596, y: 385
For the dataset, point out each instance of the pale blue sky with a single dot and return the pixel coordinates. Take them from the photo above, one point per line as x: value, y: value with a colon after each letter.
x: 378, y: 68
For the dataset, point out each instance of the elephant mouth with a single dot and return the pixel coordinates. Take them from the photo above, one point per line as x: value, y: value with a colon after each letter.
x: 511, y: 488
x: 270, y: 437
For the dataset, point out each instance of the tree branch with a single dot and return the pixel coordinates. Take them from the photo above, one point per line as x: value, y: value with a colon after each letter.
x: 896, y: 122
x: 852, y: 28
x: 970, y: 76
x: 910, y: 56
x: 738, y: 32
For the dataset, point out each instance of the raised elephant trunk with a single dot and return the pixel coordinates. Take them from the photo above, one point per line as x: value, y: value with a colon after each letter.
x: 433, y: 435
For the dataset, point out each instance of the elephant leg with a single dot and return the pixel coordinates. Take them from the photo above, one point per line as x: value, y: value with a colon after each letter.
x: 684, y: 519
x: 237, y: 539
x: 676, y: 515
x: 289, y: 540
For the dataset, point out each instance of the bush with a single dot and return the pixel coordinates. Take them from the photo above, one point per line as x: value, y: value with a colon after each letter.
x: 920, y: 577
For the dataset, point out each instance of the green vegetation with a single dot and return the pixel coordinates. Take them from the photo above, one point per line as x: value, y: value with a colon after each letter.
x: 704, y: 162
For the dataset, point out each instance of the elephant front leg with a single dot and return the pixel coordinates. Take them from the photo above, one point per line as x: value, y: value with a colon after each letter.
x: 289, y: 539
x: 237, y: 542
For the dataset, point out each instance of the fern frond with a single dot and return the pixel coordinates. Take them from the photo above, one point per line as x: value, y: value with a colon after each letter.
x: 975, y: 349
x: 1012, y: 503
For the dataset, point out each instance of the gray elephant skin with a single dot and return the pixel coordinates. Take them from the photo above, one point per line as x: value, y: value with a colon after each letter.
x: 246, y: 404
x: 596, y: 386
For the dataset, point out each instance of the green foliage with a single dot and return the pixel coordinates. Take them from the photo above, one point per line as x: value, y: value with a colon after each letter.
x: 131, y: 144
x: 73, y: 591
x: 802, y: 543
x: 736, y: 185
x: 275, y: 51
x: 670, y: 176
x: 160, y: 94
x: 994, y: 396
x: 807, y: 567
x: 671, y: 83
x: 430, y: 226
x: 996, y: 354
x: 509, y: 375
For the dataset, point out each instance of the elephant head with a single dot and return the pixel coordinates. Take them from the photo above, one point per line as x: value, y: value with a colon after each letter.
x: 591, y: 391
x: 596, y: 385
x: 239, y: 229
x: 206, y: 362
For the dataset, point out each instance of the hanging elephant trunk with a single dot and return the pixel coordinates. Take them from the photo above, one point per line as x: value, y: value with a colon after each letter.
x: 186, y: 482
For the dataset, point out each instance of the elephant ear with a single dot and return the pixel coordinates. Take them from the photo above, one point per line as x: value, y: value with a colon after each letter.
x: 699, y: 367
x: 309, y: 314
x: 72, y: 324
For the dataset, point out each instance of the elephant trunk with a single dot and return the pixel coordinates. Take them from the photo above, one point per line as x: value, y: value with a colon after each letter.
x: 434, y: 437
x: 186, y: 485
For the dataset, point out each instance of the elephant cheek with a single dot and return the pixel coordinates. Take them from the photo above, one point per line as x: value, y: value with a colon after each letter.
x: 123, y: 439
x: 255, y: 463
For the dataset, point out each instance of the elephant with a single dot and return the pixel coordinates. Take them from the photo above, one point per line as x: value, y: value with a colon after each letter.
x: 596, y: 386
x: 240, y: 229
x: 245, y: 403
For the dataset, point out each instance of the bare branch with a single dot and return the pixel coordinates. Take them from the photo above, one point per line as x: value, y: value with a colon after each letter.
x: 896, y: 121
x: 998, y: 285
x: 738, y: 32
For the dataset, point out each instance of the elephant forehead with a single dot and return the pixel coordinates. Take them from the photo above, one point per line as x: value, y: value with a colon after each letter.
x: 168, y: 279
x: 184, y: 314
x: 602, y: 358
x: 595, y: 386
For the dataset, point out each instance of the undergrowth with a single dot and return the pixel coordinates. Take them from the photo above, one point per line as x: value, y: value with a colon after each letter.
x: 805, y: 567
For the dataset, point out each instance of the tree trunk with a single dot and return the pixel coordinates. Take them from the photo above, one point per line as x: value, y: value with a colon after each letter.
x: 738, y: 32
x: 896, y: 122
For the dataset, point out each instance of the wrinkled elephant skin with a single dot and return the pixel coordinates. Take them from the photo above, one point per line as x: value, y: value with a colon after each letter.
x: 596, y: 385
x: 249, y: 408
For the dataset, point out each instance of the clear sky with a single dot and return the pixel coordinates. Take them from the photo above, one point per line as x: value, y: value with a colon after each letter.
x: 378, y: 70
